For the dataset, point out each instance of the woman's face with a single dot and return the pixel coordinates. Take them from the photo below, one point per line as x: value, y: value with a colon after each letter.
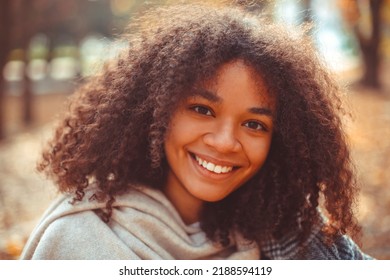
x: 220, y: 137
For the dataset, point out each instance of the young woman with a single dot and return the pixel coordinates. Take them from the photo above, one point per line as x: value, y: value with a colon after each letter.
x: 213, y: 135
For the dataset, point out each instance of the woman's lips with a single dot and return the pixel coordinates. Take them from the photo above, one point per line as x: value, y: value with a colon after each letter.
x: 213, y: 166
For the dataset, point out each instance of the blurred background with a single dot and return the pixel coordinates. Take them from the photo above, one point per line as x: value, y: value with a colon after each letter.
x: 47, y: 47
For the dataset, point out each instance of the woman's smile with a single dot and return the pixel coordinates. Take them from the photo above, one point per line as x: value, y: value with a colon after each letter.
x: 213, y: 168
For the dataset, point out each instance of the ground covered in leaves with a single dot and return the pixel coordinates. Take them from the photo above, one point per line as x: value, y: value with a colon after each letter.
x: 24, y: 194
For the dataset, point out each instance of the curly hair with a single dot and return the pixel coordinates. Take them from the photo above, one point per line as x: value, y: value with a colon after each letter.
x: 114, y: 131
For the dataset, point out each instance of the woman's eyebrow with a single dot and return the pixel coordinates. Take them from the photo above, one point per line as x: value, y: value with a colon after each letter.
x: 211, y: 96
x: 261, y: 111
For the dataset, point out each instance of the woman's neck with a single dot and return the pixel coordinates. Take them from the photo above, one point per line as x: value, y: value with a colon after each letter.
x: 186, y: 205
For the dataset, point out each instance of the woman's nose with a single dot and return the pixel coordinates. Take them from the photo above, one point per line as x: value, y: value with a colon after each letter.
x: 223, y: 138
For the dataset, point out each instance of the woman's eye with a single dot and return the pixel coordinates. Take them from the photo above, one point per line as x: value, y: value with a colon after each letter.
x: 254, y: 125
x: 202, y: 110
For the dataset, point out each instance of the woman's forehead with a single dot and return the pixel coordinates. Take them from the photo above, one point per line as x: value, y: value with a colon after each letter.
x: 239, y: 79
x: 234, y: 70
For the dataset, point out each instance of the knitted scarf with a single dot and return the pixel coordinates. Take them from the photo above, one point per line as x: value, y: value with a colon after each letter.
x: 144, y: 225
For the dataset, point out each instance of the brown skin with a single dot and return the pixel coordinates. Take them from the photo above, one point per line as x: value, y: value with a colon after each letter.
x: 115, y: 130
x: 231, y: 128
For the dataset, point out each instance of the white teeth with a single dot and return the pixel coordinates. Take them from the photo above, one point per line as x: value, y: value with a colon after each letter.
x: 218, y: 169
x: 210, y: 166
x: 213, y: 167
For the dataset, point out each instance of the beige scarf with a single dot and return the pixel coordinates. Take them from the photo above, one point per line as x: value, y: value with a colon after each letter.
x: 144, y: 225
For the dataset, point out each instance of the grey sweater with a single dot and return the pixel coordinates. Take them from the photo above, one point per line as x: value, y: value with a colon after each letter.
x: 145, y: 225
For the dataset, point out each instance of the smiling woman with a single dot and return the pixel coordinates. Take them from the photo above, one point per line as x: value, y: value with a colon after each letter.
x: 212, y: 136
x: 218, y: 139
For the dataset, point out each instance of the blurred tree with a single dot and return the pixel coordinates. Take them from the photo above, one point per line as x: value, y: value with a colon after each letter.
x: 307, y: 12
x: 364, y: 16
x: 307, y: 7
x: 23, y: 27
x: 21, y: 20
x: 4, y: 49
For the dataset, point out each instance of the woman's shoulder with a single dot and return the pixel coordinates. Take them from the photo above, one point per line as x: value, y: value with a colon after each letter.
x: 81, y: 235
x: 73, y: 229
x: 68, y: 230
